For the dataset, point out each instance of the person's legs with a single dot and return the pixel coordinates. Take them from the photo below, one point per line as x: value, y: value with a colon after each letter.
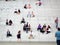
x: 27, y: 15
x: 56, y: 25
x: 30, y: 15
x: 26, y: 30
x: 58, y: 42
x: 37, y: 29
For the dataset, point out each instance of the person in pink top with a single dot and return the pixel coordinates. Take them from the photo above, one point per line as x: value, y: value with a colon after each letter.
x: 56, y: 22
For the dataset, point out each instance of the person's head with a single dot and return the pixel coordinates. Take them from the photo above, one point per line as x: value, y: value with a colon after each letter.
x: 8, y: 31
x: 25, y: 4
x: 19, y: 10
x: 6, y: 19
x: 10, y: 20
x: 58, y: 29
x: 22, y: 18
x: 44, y: 25
x: 29, y: 4
x: 19, y: 31
x: 49, y: 26
x: 27, y: 22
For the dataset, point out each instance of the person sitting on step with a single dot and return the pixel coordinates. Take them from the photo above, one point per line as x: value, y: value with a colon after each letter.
x: 10, y: 22
x: 23, y: 20
x: 8, y: 33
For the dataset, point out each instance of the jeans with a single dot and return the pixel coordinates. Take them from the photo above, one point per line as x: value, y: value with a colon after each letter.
x: 58, y: 42
x: 56, y: 25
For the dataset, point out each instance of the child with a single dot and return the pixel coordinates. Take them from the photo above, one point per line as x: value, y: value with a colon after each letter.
x: 31, y: 36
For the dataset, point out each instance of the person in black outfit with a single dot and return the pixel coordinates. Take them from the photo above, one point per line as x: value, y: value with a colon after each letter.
x: 6, y: 21
x: 24, y: 27
x: 6, y: 0
x: 19, y: 11
x: 48, y: 29
x: 15, y: 11
x: 43, y: 28
x: 8, y: 33
x: 23, y: 20
x: 10, y: 22
x: 25, y: 6
x: 27, y: 27
x: 19, y: 35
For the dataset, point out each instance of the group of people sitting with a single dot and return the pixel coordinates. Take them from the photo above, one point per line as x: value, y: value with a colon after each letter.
x: 10, y: 35
x: 31, y: 14
x: 19, y: 35
x: 27, y: 6
x: 17, y: 11
x: 9, y: 22
x: 26, y: 27
x: 44, y: 28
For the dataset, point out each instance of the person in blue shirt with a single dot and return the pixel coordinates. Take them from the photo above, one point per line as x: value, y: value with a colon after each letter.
x: 57, y: 35
x: 39, y: 27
